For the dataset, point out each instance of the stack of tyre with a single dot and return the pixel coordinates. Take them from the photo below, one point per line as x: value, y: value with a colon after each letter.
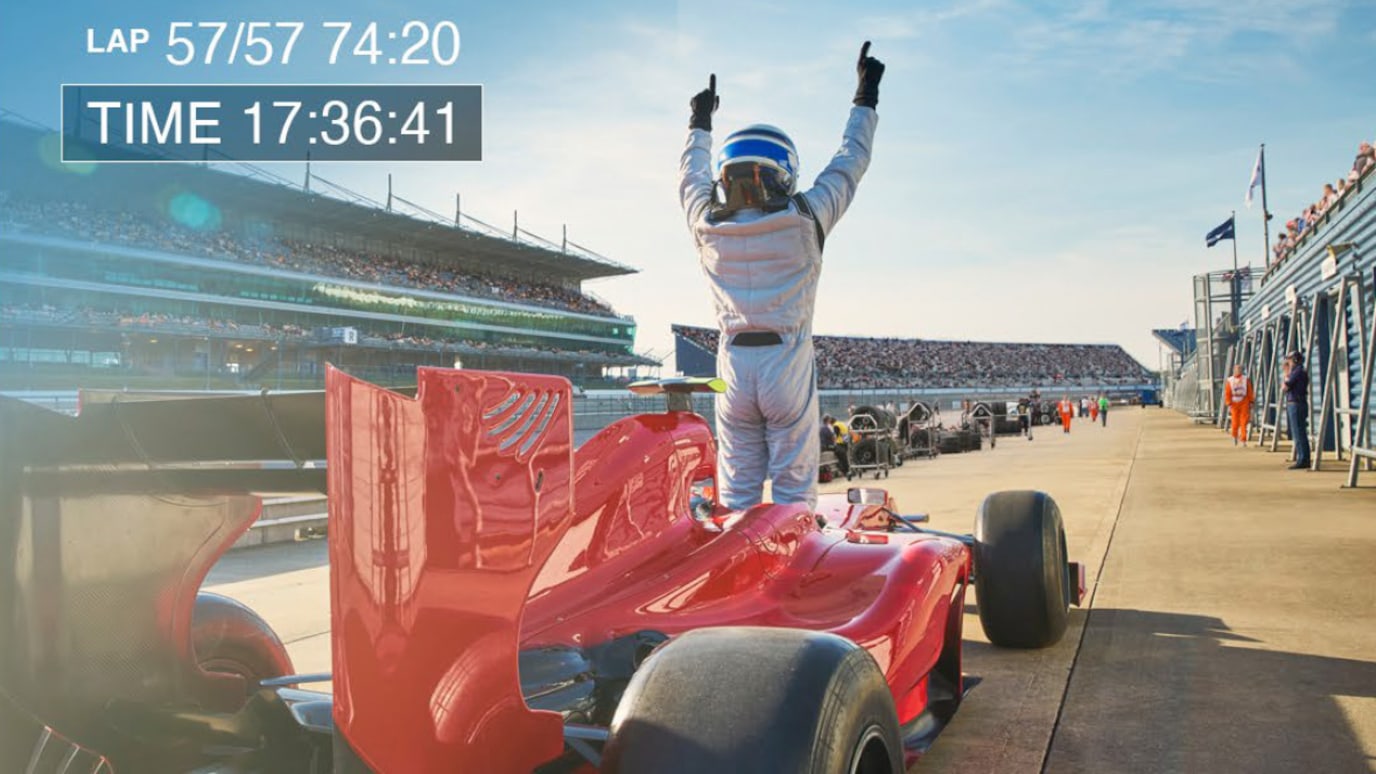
x: 917, y: 430
x: 1005, y: 422
x: 920, y: 438
x: 881, y: 448
x: 957, y: 440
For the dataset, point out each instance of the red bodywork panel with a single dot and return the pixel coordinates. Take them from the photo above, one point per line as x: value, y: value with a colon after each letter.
x: 464, y: 530
x: 444, y: 508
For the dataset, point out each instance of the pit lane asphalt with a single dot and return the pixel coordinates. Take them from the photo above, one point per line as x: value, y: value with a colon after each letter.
x: 1230, y: 626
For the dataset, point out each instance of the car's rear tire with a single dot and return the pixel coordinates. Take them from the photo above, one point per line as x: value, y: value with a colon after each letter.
x: 972, y: 439
x: 229, y: 638
x: 1022, y: 578
x: 756, y: 699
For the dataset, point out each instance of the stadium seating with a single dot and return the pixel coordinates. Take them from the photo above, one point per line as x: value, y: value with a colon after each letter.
x: 851, y: 362
x: 1311, y: 218
x: 120, y: 320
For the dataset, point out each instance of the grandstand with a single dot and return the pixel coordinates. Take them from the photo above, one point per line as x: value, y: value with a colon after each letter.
x: 177, y: 275
x: 1295, y: 305
x: 861, y: 363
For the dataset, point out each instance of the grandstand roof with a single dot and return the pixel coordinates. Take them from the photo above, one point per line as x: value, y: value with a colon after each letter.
x: 273, y: 197
x: 468, y: 246
x: 1181, y: 341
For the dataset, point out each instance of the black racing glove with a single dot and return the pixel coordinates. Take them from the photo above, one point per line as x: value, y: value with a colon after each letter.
x: 704, y: 104
x: 869, y: 70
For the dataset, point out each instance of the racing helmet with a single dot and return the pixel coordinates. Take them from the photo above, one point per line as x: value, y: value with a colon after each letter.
x: 757, y: 165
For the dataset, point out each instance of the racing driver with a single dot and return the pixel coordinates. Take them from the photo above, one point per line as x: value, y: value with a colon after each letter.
x: 760, y: 242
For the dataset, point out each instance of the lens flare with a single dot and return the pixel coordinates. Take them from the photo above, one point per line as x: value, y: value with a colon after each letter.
x: 79, y: 157
x: 192, y: 211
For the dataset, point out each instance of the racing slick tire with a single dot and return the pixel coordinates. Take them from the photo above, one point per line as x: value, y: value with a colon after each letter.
x: 756, y: 699
x: 971, y: 439
x: 950, y: 443
x: 228, y: 637
x: 1022, y: 577
x: 866, y: 452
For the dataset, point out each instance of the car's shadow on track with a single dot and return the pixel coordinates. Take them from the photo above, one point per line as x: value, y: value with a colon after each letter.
x: 1155, y: 691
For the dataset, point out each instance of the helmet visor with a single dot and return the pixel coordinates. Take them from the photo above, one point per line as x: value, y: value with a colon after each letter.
x: 752, y: 185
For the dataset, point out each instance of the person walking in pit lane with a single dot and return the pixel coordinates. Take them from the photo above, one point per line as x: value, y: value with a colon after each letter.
x: 1238, y: 396
x: 760, y: 243
x: 1103, y: 411
x: 1025, y: 417
x: 1067, y: 410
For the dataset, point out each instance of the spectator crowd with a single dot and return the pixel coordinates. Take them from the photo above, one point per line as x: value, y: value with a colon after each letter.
x: 1309, y: 218
x: 130, y: 322
x: 77, y: 220
x: 851, y: 362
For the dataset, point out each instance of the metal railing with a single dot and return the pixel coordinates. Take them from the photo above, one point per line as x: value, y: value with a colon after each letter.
x: 1346, y: 388
x: 1183, y: 392
x: 1334, y: 330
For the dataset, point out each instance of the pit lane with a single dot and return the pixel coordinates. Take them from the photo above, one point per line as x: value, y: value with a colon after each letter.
x: 1229, y: 626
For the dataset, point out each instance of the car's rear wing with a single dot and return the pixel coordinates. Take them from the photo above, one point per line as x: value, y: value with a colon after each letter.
x: 261, y: 443
x: 109, y: 521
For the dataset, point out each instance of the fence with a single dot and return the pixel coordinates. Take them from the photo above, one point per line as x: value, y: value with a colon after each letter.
x: 1183, y: 392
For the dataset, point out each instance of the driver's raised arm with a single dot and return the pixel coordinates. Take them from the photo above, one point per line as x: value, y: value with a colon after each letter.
x: 834, y: 188
x: 695, y: 165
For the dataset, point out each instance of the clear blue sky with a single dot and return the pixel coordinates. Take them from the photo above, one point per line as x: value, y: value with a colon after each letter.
x: 1042, y: 171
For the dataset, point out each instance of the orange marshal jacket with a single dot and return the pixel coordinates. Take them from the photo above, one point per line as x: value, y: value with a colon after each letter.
x: 1238, y: 391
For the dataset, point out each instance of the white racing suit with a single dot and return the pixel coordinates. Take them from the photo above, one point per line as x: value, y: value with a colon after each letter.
x: 763, y: 268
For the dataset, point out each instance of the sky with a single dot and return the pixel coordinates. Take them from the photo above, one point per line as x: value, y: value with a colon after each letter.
x: 1042, y: 171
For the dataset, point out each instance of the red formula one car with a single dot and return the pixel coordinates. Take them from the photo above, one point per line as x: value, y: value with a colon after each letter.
x: 500, y: 601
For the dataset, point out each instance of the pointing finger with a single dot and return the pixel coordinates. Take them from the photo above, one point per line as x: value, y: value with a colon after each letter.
x: 864, y: 51
x: 712, y: 83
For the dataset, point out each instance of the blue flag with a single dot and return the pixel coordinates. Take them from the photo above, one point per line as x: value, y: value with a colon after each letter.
x: 1221, y: 232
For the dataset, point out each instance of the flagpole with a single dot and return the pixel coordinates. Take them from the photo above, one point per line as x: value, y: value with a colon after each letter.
x: 1265, y: 213
x: 1235, y: 291
x: 1233, y: 217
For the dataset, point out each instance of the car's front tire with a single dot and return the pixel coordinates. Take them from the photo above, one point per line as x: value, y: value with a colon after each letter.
x: 1022, y: 577
x: 756, y: 699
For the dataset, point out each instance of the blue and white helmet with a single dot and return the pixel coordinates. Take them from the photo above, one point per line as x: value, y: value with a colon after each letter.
x: 765, y: 145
